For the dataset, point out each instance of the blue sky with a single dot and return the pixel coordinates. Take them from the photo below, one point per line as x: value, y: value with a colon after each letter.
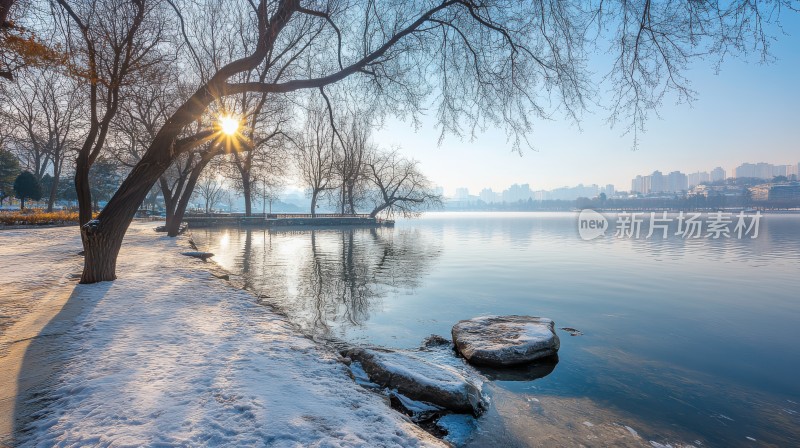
x: 749, y: 112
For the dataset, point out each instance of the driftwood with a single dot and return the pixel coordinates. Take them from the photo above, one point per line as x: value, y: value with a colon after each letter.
x: 196, y: 254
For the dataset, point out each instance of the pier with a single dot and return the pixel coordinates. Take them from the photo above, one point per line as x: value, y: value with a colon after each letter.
x: 283, y: 220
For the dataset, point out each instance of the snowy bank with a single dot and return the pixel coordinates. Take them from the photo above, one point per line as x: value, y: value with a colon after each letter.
x: 170, y: 355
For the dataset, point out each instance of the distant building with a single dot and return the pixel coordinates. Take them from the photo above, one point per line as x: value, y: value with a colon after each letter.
x: 658, y: 183
x: 517, y: 192
x: 488, y: 196
x: 698, y: 178
x: 637, y: 185
x: 462, y: 194
x: 781, y: 170
x: 676, y: 182
x: 785, y: 192
x: 760, y: 170
x: 717, y: 174
x: 572, y: 193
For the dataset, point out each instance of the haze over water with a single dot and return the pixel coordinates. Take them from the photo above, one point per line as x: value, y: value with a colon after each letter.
x: 692, y: 339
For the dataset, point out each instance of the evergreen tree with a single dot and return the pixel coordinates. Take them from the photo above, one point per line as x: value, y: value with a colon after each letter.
x: 27, y: 187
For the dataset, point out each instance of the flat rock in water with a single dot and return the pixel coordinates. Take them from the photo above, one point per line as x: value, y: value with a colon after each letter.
x: 420, y: 380
x: 505, y: 340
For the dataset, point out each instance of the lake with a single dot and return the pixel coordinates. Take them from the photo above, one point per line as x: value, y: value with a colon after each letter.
x: 684, y: 340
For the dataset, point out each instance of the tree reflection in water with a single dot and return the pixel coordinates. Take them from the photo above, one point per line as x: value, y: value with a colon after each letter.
x: 327, y: 280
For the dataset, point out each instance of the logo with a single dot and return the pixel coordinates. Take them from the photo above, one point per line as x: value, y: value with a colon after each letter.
x: 591, y: 224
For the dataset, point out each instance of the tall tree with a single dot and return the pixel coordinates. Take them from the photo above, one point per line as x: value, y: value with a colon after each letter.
x: 109, y: 43
x: 349, y: 162
x: 314, y: 155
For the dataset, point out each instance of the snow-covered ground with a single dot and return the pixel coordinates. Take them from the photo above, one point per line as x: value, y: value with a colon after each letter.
x: 168, y: 355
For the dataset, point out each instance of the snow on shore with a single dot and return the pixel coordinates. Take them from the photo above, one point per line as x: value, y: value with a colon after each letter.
x: 168, y: 355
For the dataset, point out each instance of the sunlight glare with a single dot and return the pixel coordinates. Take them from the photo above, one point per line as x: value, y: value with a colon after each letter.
x: 229, y: 125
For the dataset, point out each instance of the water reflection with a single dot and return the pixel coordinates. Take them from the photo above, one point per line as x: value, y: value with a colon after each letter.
x: 327, y: 280
x: 526, y: 372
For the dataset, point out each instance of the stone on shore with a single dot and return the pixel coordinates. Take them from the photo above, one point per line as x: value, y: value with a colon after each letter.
x: 420, y: 380
x: 505, y: 340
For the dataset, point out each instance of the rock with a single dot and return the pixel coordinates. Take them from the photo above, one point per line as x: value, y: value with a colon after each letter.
x: 221, y: 276
x: 434, y: 340
x: 572, y: 331
x: 420, y: 380
x: 201, y: 255
x: 505, y: 340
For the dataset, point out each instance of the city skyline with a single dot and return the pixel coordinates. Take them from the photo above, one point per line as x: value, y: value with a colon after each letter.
x: 673, y: 181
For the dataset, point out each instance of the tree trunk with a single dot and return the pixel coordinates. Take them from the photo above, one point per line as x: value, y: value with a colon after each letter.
x: 51, y: 200
x: 180, y: 209
x: 83, y: 191
x: 377, y: 210
x: 169, y: 200
x: 314, y: 203
x: 350, y: 200
x: 102, y: 237
x: 101, y: 244
x: 247, y: 192
x: 22, y: 203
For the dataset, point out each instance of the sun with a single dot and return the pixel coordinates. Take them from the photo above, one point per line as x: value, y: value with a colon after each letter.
x: 229, y: 125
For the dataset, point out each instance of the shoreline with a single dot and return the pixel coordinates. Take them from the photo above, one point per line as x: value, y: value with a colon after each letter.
x: 111, y: 348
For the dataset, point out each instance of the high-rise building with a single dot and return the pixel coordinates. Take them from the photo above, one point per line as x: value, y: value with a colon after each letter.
x: 698, y: 178
x: 780, y: 170
x: 657, y: 182
x: 488, y: 196
x: 517, y: 192
x: 717, y: 174
x: 641, y: 184
x: 745, y: 170
x: 762, y: 170
x: 676, y: 182
x: 462, y: 193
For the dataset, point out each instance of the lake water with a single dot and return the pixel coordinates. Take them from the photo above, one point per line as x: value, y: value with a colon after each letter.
x: 684, y: 340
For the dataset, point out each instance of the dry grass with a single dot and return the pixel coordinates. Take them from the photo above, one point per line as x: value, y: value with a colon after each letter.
x: 37, y: 218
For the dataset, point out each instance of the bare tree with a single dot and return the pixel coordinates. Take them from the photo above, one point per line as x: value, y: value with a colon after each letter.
x: 20, y: 45
x: 43, y: 115
x: 109, y: 43
x: 349, y: 163
x: 498, y: 63
x: 210, y: 189
x: 398, y: 186
x: 262, y: 151
x: 315, y: 155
